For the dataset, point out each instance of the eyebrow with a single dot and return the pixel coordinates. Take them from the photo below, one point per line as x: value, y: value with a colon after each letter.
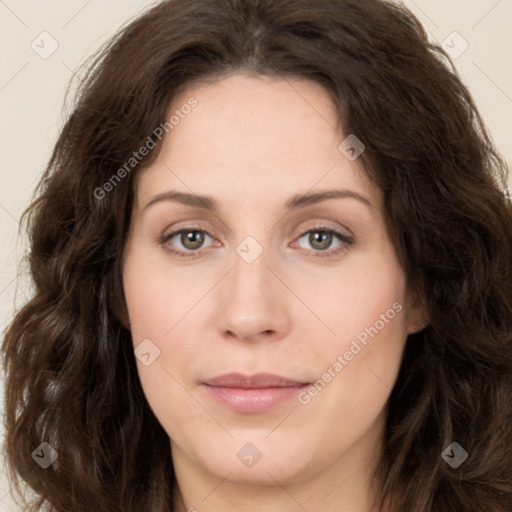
x: 294, y: 203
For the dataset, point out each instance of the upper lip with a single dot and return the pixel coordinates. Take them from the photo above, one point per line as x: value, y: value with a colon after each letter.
x: 259, y: 380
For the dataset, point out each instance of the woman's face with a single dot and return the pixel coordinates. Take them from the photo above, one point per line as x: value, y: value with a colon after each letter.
x: 270, y: 278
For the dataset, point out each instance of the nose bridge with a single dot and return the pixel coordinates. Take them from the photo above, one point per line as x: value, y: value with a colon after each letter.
x: 250, y: 302
x: 250, y: 277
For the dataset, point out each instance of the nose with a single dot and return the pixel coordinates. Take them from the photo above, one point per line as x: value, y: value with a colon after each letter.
x: 252, y: 302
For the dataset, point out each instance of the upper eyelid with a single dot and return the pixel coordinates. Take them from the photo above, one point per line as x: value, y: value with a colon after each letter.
x: 198, y: 225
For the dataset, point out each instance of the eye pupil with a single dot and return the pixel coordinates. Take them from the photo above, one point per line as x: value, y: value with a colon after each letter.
x: 321, y: 237
x: 192, y: 239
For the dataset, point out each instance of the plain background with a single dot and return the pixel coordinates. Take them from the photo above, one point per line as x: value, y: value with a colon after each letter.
x: 33, y: 83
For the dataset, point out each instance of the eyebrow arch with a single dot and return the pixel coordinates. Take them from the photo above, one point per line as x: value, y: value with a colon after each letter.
x: 294, y: 203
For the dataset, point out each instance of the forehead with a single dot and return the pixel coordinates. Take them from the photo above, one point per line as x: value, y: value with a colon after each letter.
x: 253, y: 134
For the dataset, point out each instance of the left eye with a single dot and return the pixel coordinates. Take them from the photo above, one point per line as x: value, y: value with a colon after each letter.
x: 192, y: 240
x: 321, y: 239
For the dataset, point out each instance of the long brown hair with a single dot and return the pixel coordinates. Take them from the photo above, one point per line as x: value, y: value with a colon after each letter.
x: 71, y: 377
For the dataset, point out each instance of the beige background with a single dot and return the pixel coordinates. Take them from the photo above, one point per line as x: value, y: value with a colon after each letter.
x: 32, y: 86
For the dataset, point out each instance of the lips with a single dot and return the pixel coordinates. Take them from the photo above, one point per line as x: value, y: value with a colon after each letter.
x: 258, y: 381
x: 252, y: 394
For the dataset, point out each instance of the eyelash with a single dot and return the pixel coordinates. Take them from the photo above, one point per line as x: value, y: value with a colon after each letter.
x: 347, y: 241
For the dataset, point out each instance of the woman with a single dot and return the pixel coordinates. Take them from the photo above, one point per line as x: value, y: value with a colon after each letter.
x: 272, y: 264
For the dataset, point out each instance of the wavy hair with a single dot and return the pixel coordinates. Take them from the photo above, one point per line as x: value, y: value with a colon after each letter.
x: 71, y: 376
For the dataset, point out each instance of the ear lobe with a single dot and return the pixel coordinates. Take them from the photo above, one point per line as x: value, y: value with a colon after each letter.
x: 415, y: 328
x: 121, y: 312
x: 418, y: 314
x: 123, y: 318
x: 119, y: 308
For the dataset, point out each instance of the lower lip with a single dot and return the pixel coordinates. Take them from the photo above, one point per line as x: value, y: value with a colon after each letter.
x: 253, y: 400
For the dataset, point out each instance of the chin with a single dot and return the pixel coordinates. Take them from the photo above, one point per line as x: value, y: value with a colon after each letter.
x: 251, y: 459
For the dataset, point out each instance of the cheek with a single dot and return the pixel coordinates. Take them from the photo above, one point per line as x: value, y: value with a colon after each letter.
x: 163, y: 308
x: 158, y: 296
x: 363, y: 309
x: 364, y: 299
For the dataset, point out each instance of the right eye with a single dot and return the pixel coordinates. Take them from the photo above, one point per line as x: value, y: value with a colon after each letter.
x: 191, y: 240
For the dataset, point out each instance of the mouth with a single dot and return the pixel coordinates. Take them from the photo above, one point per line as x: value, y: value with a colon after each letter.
x: 252, y: 394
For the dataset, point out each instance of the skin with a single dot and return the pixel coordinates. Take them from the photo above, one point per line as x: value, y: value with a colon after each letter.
x: 251, y: 143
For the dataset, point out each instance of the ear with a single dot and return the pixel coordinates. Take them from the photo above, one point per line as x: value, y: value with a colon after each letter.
x: 118, y: 302
x: 121, y: 311
x: 418, y: 316
x: 121, y: 314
